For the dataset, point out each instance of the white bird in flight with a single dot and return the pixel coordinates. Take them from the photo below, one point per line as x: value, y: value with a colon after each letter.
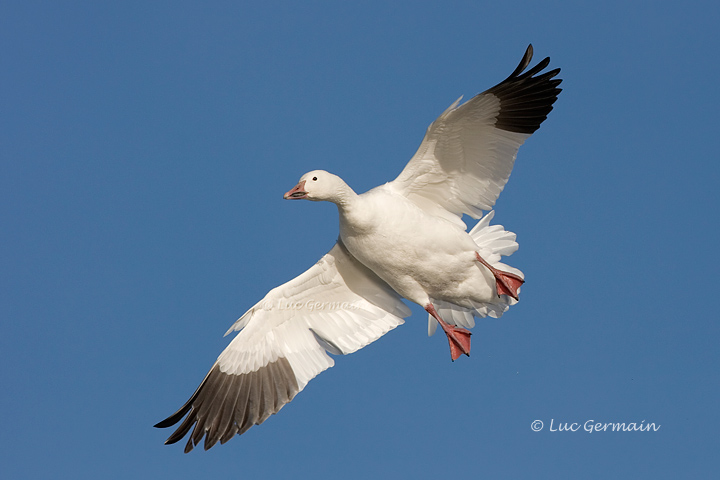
x: 404, y: 239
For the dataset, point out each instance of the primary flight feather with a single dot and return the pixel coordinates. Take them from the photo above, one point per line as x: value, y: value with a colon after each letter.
x: 405, y: 239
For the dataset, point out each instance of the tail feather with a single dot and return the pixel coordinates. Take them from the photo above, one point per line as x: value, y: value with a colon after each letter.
x: 493, y: 242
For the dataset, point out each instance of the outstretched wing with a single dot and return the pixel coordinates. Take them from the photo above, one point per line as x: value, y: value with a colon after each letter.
x: 336, y: 306
x: 467, y: 154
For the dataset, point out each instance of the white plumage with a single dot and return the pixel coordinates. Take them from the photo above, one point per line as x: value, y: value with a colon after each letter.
x: 405, y: 239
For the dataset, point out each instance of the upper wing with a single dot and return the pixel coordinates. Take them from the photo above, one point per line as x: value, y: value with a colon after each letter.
x: 467, y: 154
x: 338, y: 305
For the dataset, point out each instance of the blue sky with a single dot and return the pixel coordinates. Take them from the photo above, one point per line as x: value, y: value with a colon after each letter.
x: 144, y: 150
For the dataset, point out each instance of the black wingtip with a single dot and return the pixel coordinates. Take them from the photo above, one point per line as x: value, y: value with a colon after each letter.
x: 172, y: 419
x: 177, y: 416
x: 164, y: 424
x: 526, y: 97
x: 182, y: 411
x: 524, y: 62
x: 226, y: 404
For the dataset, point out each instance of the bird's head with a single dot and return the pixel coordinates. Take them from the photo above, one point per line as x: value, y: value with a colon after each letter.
x: 317, y: 185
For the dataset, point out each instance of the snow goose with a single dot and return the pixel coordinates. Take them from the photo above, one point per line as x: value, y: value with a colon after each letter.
x: 404, y: 239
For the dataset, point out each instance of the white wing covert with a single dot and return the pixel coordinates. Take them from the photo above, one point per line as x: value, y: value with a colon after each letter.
x: 336, y: 306
x: 466, y: 157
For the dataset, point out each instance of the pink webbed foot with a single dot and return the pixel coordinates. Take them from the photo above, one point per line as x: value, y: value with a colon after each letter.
x: 506, y: 283
x: 458, y: 338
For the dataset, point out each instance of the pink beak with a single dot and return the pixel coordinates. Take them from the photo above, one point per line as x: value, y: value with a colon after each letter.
x: 298, y: 192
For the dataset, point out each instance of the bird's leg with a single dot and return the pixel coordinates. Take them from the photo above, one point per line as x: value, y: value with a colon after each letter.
x: 458, y: 338
x: 507, y: 283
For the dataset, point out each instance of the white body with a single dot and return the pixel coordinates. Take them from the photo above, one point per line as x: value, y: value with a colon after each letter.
x: 422, y: 257
x: 403, y: 239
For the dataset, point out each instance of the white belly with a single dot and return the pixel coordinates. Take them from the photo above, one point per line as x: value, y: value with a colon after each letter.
x: 423, y: 258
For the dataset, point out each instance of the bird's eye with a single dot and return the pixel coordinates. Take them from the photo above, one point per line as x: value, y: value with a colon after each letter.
x: 314, y: 179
